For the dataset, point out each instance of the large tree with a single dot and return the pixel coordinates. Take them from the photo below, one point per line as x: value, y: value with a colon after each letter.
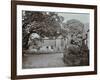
x: 76, y: 52
x: 46, y: 24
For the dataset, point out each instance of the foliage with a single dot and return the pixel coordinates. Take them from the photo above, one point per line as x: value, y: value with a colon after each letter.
x: 77, y: 51
x: 46, y: 24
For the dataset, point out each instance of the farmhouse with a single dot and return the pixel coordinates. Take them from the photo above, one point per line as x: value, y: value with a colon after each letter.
x: 46, y: 45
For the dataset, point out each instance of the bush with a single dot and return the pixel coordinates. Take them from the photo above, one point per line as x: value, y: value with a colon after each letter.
x: 76, y: 56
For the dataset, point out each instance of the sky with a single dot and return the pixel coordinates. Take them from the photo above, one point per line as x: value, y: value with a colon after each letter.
x: 84, y: 18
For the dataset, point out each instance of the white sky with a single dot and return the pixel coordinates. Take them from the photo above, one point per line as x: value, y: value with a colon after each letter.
x: 84, y: 18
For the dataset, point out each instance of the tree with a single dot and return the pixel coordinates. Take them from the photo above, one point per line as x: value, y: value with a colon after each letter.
x: 77, y: 52
x: 75, y: 31
x: 46, y: 24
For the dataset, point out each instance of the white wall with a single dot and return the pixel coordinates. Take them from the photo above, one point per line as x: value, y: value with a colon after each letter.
x: 5, y: 54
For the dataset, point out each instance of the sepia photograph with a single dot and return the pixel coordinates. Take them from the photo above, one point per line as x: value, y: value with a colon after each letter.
x: 55, y: 39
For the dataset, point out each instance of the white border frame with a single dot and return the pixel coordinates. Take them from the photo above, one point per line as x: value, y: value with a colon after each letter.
x: 21, y: 71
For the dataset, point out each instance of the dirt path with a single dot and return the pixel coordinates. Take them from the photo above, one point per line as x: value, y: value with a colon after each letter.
x: 43, y: 60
